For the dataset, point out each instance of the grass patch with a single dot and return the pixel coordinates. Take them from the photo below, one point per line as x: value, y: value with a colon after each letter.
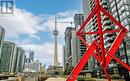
x: 85, y: 79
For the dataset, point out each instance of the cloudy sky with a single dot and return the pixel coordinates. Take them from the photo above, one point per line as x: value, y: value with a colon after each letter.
x: 32, y: 25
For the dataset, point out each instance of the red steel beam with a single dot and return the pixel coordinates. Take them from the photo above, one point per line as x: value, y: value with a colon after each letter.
x: 111, y: 31
x: 85, y: 33
x: 115, y: 58
x: 100, y: 32
x: 120, y: 37
x: 93, y: 49
x: 111, y: 17
x: 118, y: 60
x: 84, y: 41
x: 107, y: 74
x: 87, y: 20
x: 76, y: 71
x: 116, y: 45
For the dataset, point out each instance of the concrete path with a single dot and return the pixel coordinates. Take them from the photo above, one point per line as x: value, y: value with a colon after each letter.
x: 107, y: 80
x: 30, y: 79
x: 56, y: 79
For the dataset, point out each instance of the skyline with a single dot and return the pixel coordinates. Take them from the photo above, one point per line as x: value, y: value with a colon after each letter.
x: 36, y: 31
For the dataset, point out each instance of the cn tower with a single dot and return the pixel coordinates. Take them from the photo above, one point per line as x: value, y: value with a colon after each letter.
x: 55, y: 33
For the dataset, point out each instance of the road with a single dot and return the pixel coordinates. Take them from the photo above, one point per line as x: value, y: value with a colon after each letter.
x: 56, y: 79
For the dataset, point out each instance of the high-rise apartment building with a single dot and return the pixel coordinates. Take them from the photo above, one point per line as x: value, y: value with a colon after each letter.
x: 31, y: 55
x: 64, y: 58
x: 2, y: 35
x: 68, y: 48
x: 73, y: 48
x: 20, y: 59
x: 92, y: 26
x: 120, y: 9
x: 8, y: 56
x: 80, y: 47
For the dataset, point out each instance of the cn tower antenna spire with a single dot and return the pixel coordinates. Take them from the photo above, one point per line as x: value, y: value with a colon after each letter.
x: 55, y: 22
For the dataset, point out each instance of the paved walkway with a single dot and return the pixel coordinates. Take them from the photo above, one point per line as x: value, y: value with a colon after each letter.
x: 30, y: 79
x: 56, y: 79
x: 62, y: 79
x: 107, y: 80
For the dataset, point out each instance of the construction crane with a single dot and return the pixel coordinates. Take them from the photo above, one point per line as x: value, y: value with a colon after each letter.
x: 62, y: 22
x: 67, y: 22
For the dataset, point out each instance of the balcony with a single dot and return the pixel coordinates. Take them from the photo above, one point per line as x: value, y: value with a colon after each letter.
x: 109, y: 39
x: 107, y: 28
x: 107, y: 22
x: 105, y: 6
x: 103, y: 2
x: 105, y: 18
x: 107, y: 46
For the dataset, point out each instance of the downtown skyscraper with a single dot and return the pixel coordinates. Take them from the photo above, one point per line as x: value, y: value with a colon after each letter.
x: 80, y: 47
x: 2, y: 35
x: 92, y: 26
x: 31, y: 55
x: 68, y: 50
x: 74, y: 49
x: 120, y: 9
x: 8, y: 56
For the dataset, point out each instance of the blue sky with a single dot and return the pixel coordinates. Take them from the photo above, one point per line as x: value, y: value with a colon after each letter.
x: 48, y: 6
x: 32, y: 25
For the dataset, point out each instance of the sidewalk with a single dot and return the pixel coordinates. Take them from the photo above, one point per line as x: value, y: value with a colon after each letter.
x: 56, y: 79
x: 107, y: 80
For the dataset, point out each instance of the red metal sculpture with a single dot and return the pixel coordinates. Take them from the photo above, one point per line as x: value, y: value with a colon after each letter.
x: 105, y: 57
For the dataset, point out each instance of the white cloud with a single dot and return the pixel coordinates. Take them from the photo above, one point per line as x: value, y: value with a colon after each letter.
x: 22, y: 22
x: 27, y: 24
x: 44, y: 52
x: 67, y: 16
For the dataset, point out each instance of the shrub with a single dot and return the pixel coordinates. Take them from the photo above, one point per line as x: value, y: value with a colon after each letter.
x: 89, y: 79
x: 81, y: 79
x: 115, y: 76
x: 85, y: 79
x: 104, y: 76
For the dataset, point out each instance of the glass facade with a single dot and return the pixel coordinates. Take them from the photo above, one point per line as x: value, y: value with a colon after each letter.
x: 68, y: 50
x: 80, y: 47
x: 8, y: 56
x: 92, y: 26
x: 120, y: 9
x: 20, y: 59
x: 2, y: 35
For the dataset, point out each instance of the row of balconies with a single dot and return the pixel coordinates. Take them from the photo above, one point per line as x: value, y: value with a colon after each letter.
x: 105, y: 18
x: 103, y: 2
x: 107, y: 45
x: 107, y: 28
x: 105, y: 6
x: 92, y: 4
x: 107, y: 23
x: 109, y: 39
x: 109, y: 35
